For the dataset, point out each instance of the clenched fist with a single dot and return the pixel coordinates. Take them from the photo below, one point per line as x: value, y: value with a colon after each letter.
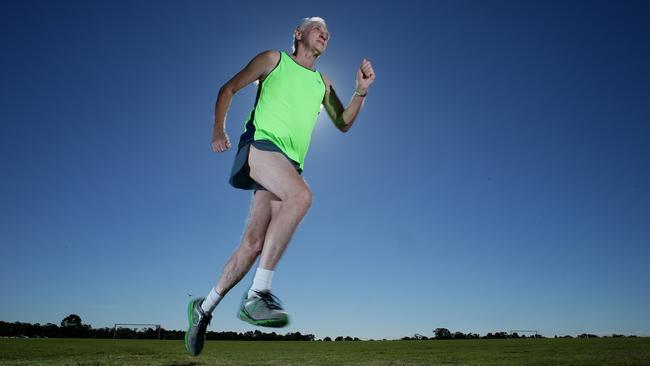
x: 220, y: 142
x: 365, y: 76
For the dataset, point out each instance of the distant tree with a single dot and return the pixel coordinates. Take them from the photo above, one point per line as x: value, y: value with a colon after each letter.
x: 356, y: 339
x: 459, y: 335
x: 338, y: 339
x: 327, y: 339
x: 442, y: 333
x: 347, y: 338
x: 294, y: 336
x: 71, y: 327
x: 6, y: 329
x: 72, y: 320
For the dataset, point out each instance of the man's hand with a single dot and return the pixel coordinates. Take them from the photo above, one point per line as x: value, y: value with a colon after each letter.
x: 365, y: 76
x: 220, y: 141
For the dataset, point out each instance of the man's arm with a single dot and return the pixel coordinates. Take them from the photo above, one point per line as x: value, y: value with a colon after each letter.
x: 343, y: 118
x: 258, y: 68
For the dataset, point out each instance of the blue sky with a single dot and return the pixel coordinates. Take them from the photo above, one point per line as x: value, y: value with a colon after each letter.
x: 497, y: 177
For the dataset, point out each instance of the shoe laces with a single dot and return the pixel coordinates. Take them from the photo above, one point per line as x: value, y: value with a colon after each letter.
x: 271, y: 301
x: 204, y: 321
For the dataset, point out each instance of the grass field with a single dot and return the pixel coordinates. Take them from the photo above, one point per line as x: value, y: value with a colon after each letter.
x: 601, y: 351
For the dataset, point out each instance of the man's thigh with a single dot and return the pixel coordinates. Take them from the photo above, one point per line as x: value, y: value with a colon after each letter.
x: 273, y: 171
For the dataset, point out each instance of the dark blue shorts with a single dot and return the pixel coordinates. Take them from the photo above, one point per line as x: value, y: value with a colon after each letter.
x: 240, y: 174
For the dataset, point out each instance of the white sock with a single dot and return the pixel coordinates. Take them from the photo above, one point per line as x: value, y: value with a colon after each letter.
x: 262, y: 281
x: 211, y: 301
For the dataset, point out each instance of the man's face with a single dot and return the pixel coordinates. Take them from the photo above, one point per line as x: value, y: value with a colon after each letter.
x: 317, y: 36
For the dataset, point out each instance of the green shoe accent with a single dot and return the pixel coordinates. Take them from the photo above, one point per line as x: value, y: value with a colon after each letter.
x: 273, y: 323
x: 263, y: 310
x: 190, y: 306
x: 198, y: 323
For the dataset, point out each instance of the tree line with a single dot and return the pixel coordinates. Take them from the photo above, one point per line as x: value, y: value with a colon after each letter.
x: 444, y: 333
x: 72, y: 327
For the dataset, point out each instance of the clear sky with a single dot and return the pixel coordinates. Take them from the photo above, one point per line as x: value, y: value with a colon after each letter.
x: 497, y: 177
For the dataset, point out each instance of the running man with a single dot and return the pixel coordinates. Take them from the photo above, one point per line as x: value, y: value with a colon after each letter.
x: 270, y: 159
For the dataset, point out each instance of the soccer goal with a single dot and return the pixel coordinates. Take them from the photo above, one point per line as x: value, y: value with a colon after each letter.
x: 532, y: 333
x: 136, y: 331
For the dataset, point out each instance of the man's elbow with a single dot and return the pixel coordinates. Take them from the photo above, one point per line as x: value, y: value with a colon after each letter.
x: 226, y: 89
x: 346, y: 125
x: 343, y: 125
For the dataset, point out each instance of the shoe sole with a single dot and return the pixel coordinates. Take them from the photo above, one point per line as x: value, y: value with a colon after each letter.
x: 272, y: 323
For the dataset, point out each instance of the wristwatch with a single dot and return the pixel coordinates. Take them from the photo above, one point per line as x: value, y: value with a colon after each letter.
x: 359, y: 94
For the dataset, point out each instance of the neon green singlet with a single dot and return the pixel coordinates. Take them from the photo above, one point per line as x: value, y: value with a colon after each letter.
x: 286, y: 108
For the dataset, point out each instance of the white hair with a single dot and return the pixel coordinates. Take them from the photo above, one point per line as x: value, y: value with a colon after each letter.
x: 304, y: 22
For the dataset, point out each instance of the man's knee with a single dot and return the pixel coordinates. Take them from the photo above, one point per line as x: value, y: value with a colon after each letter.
x: 253, y: 244
x: 301, y: 198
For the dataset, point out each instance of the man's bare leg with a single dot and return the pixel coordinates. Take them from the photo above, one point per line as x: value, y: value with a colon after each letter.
x: 277, y: 174
x: 200, y: 309
x: 273, y: 171
x: 251, y: 244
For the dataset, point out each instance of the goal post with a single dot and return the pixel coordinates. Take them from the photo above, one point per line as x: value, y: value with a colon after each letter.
x: 135, y: 328
x: 532, y: 332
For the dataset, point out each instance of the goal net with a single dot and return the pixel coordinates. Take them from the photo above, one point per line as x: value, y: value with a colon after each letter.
x: 524, y: 333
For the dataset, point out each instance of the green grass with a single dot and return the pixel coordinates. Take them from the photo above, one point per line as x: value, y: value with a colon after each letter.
x: 602, y: 351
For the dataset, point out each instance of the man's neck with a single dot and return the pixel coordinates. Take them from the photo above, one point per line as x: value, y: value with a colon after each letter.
x: 306, y: 58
